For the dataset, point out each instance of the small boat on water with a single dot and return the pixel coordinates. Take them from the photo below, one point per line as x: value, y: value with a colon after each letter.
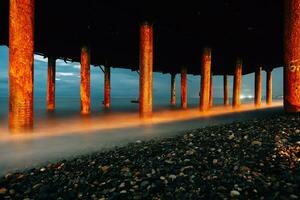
x: 135, y: 101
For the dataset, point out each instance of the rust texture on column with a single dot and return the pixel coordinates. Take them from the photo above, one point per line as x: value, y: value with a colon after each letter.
x: 205, y: 79
x: 183, y: 88
x: 146, y: 67
x: 292, y: 56
x: 85, y: 80
x: 173, y: 90
x: 51, y: 84
x: 258, y: 87
x: 269, y: 87
x: 211, y: 91
x: 107, y: 87
x: 21, y: 50
x: 225, y: 90
x: 237, y: 84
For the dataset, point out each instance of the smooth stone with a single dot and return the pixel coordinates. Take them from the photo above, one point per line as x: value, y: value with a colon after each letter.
x: 169, y: 161
x: 234, y: 193
x: 80, y: 195
x: 230, y: 137
x: 255, y: 142
x: 221, y: 188
x: 36, y: 186
x: 11, y: 191
x: 144, y: 184
x: 8, y: 175
x: 42, y: 169
x: 122, y: 185
x: 284, y: 140
x: 3, y: 190
x: 190, y: 152
x: 105, y: 168
x: 292, y: 196
x: 172, y: 177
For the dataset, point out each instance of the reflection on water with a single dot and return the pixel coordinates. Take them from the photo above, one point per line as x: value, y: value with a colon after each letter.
x: 69, y: 120
x: 61, y: 138
x: 21, y: 118
x: 123, y: 113
x: 66, y: 106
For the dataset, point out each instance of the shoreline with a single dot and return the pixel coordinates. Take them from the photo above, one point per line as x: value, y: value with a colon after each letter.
x: 25, y: 151
x: 247, y: 159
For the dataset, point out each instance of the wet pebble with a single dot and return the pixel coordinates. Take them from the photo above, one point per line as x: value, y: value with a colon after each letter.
x: 3, y: 190
x: 234, y: 193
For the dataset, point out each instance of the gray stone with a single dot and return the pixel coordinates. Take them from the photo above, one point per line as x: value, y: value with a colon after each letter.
x: 234, y: 193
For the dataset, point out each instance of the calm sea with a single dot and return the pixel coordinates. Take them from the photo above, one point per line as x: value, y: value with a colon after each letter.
x: 70, y: 106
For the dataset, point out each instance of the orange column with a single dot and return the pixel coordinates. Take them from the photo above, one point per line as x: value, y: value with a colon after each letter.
x: 225, y: 90
x: 211, y: 91
x: 146, y: 67
x: 258, y: 87
x: 205, y: 80
x: 292, y: 56
x: 183, y: 88
x: 173, y: 90
x: 269, y: 86
x: 107, y: 87
x: 85, y: 80
x: 21, y: 50
x: 51, y: 84
x: 237, y: 84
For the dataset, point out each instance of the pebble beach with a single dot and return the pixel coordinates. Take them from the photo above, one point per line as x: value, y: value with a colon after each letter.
x: 256, y: 159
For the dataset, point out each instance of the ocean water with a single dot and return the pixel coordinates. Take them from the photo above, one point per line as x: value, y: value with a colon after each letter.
x: 70, y: 106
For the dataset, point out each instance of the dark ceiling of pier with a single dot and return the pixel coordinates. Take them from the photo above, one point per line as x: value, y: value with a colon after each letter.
x: 250, y: 29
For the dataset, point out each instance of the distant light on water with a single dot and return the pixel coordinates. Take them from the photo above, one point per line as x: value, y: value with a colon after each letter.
x: 53, y: 126
x: 246, y: 97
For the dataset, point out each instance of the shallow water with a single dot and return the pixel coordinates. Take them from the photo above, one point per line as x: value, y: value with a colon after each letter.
x: 65, y: 133
x: 70, y: 106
